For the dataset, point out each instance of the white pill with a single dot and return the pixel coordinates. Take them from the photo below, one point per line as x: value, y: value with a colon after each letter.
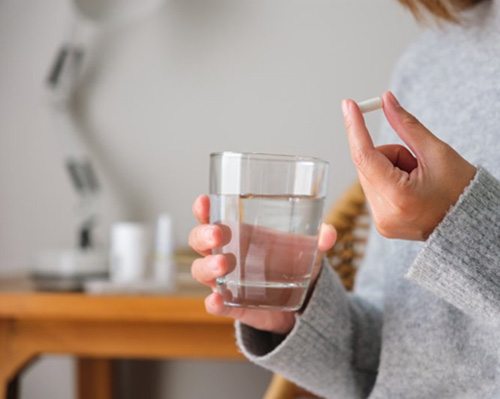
x: 371, y: 104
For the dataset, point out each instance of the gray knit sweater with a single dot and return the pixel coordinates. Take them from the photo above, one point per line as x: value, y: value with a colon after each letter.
x: 424, y: 320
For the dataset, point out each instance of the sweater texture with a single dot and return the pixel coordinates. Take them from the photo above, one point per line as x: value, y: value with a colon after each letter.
x: 424, y: 318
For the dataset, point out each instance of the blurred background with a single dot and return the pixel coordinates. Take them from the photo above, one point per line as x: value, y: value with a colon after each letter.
x: 159, y: 92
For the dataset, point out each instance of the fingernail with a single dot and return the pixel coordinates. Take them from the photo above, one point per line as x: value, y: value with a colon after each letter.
x: 330, y: 227
x: 345, y: 108
x: 394, y: 100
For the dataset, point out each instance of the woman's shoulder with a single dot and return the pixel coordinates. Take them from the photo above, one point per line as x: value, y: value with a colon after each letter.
x: 418, y: 59
x: 439, y: 45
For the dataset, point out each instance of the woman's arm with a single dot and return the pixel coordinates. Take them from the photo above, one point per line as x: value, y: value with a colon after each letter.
x: 461, y: 259
x: 333, y: 349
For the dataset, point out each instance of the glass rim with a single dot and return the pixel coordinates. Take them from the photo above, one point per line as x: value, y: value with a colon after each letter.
x: 260, y: 156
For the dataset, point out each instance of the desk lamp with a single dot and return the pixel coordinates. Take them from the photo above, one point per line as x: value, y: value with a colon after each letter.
x: 68, y: 268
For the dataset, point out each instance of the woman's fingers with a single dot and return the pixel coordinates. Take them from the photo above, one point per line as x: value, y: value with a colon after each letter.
x: 399, y: 156
x: 360, y: 141
x: 206, y: 270
x: 368, y: 161
x: 201, y: 209
x: 411, y: 131
x: 214, y: 304
x: 205, y: 237
x: 277, y: 322
x: 327, y: 237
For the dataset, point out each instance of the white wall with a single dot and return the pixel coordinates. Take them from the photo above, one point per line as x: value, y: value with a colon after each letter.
x: 162, y: 93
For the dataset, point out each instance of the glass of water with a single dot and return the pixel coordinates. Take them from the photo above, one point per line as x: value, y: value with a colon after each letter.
x: 273, y: 206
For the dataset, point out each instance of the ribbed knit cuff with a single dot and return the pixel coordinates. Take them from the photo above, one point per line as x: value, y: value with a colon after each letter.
x: 319, y: 316
x: 461, y: 259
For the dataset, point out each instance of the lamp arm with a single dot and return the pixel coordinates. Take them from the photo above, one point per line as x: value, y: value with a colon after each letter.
x: 61, y: 82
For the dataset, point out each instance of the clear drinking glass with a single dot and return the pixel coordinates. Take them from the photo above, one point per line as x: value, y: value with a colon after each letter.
x: 273, y: 206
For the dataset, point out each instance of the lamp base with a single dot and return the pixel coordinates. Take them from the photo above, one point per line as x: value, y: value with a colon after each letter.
x: 67, y: 270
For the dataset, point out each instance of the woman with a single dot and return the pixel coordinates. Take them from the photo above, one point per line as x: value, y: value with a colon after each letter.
x: 424, y: 320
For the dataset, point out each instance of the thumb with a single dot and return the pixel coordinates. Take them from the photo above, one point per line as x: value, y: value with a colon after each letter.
x: 409, y: 129
x: 327, y: 237
x: 326, y: 240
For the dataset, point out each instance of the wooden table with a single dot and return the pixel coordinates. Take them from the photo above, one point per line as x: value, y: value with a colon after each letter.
x: 97, y: 329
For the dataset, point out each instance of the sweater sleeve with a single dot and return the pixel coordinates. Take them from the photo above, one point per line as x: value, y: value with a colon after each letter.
x: 460, y: 261
x: 333, y: 349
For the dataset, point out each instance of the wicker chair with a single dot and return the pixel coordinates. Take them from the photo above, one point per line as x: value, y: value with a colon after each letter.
x: 350, y: 218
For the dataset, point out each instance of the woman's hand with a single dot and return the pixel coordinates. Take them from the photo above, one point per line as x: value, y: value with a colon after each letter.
x: 205, y: 237
x: 409, y: 192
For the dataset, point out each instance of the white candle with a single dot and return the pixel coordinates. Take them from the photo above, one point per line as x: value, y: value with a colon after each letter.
x: 129, y: 252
